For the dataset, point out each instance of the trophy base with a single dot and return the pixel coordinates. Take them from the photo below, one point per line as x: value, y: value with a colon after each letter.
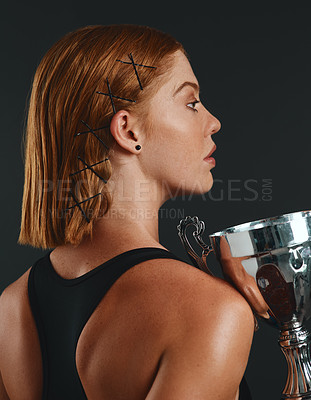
x: 295, y: 345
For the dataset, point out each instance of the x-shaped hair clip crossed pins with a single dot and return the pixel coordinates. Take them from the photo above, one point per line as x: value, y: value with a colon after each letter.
x: 137, y: 76
x: 134, y: 66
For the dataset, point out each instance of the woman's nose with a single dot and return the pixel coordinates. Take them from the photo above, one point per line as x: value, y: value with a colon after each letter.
x: 215, y: 124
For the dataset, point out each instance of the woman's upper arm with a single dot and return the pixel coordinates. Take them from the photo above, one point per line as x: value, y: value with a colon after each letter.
x: 207, y: 355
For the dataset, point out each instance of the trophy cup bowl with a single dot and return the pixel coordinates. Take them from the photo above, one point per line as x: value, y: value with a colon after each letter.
x: 269, y: 262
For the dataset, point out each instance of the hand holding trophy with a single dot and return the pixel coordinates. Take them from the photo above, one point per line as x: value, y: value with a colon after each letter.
x: 269, y: 262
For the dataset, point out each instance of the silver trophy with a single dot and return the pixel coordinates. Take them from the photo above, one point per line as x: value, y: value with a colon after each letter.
x: 269, y: 262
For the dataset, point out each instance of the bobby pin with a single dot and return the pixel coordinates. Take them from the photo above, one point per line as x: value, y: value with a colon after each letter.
x: 92, y: 165
x: 134, y: 66
x: 81, y: 202
x: 87, y: 166
x: 92, y: 132
x: 112, y: 95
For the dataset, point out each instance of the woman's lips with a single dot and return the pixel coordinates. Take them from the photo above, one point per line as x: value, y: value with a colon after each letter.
x: 210, y: 159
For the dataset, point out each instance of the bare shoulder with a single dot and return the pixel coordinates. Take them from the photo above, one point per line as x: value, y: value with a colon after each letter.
x: 208, y: 338
x: 183, y: 284
x: 16, y: 290
x: 202, y: 298
x: 13, y: 302
x: 178, y: 297
x: 19, y: 343
x: 14, y: 311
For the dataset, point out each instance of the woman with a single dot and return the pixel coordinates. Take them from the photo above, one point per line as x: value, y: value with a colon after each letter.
x: 115, y: 127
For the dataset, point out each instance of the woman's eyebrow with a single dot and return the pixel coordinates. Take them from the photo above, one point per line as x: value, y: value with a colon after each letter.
x: 192, y: 84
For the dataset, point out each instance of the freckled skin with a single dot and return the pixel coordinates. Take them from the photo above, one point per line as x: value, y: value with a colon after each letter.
x: 181, y: 137
x: 165, y: 330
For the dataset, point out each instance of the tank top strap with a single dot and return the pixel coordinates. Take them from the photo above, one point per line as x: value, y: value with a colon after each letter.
x: 116, y: 265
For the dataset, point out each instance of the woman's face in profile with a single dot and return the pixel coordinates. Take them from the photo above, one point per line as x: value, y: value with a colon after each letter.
x: 181, y: 133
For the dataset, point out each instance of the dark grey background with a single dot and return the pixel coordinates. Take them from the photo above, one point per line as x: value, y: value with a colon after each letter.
x: 253, y: 64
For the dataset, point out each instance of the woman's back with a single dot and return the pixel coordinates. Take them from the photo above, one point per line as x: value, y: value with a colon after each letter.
x: 124, y: 343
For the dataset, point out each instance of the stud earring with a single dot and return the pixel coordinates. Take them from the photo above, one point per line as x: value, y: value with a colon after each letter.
x: 138, y: 147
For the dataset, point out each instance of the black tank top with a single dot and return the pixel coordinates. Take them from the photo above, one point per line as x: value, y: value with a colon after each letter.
x: 61, y: 308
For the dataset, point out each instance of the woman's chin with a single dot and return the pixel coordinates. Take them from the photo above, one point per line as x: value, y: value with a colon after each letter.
x: 201, y: 187
x: 208, y: 184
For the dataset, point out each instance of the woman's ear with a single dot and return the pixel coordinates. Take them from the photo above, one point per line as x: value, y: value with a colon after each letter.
x: 124, y: 129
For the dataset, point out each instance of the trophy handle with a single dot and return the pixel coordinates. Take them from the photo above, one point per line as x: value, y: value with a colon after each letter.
x: 198, y: 261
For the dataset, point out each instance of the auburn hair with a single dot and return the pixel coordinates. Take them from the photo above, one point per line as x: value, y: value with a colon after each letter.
x: 64, y: 101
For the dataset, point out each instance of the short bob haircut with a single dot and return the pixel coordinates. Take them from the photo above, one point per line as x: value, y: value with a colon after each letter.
x: 63, y: 102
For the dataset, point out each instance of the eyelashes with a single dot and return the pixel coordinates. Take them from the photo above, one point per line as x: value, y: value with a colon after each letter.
x: 193, y: 104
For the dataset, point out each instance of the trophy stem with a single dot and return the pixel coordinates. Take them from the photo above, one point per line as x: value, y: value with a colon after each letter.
x: 295, y: 345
